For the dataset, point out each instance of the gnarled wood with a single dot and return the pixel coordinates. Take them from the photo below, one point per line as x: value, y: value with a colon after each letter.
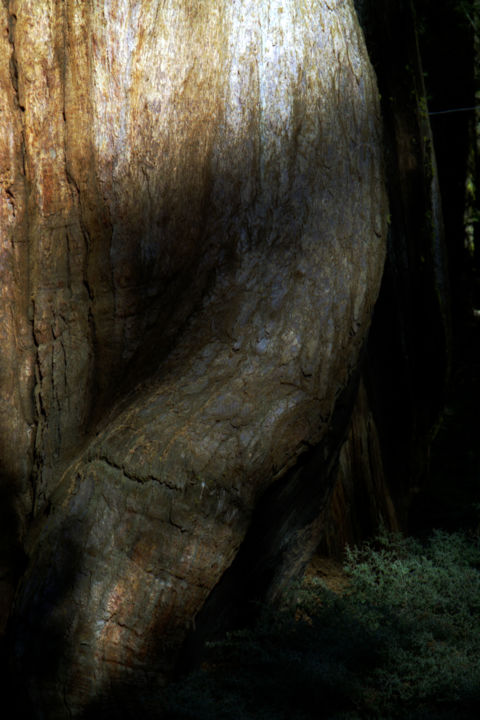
x: 205, y: 212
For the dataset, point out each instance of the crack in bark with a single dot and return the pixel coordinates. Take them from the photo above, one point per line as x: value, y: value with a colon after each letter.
x: 131, y: 476
x: 12, y: 20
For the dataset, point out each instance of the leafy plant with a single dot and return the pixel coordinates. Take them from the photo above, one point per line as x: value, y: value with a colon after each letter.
x: 403, y: 641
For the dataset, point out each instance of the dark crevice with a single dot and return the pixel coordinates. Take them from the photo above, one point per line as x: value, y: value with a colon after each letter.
x: 12, y: 21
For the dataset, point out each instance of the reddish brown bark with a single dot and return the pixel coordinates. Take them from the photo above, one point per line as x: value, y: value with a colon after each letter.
x: 195, y: 236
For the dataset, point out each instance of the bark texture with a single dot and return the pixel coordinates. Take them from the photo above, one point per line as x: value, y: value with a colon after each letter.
x: 193, y: 236
x: 409, y: 351
x: 384, y: 463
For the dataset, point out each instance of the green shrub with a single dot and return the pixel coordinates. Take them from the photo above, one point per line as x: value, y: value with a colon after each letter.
x: 403, y: 641
x: 428, y: 599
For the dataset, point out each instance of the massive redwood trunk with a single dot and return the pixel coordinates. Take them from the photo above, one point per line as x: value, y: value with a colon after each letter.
x: 193, y: 236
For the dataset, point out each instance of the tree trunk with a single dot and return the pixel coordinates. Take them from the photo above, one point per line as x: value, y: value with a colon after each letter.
x: 409, y: 347
x: 193, y: 236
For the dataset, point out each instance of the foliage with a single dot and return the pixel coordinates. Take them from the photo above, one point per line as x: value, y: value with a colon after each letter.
x: 402, y: 642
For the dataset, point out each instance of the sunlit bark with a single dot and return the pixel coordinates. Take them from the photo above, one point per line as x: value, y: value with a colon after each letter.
x: 196, y: 219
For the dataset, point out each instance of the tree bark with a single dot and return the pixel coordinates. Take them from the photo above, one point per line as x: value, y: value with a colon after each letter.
x: 193, y: 236
x: 409, y: 348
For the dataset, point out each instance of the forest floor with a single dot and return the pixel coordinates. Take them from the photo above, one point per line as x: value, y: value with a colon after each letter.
x: 329, y: 571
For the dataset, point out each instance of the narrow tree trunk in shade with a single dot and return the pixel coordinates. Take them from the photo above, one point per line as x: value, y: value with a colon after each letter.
x: 193, y: 236
x: 409, y: 350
